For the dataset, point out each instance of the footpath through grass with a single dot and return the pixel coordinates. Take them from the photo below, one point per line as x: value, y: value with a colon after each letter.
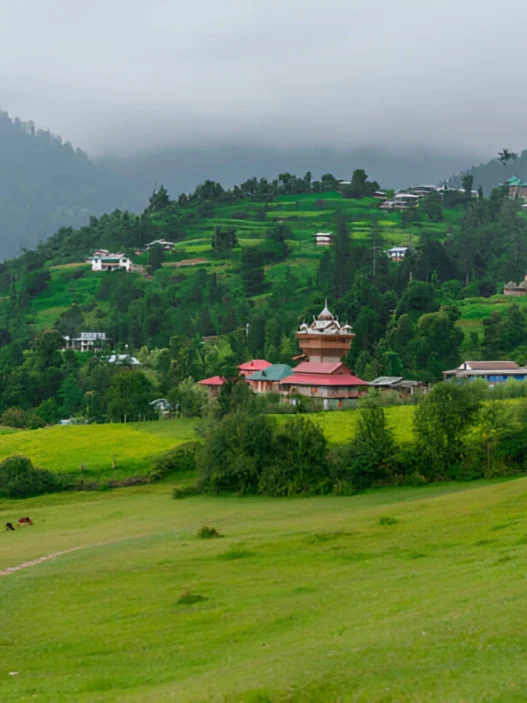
x: 398, y: 595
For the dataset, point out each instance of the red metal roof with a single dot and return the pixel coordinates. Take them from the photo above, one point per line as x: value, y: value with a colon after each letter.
x: 254, y: 365
x: 320, y: 379
x: 320, y: 367
x: 212, y: 381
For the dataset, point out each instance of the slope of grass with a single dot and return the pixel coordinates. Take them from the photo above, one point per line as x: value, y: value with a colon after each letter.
x: 66, y: 448
x: 401, y: 595
x: 339, y: 427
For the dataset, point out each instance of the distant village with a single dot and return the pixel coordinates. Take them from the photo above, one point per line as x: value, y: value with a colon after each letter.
x: 324, y: 342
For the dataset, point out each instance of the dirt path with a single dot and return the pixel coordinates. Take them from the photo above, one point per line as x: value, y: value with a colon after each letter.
x: 55, y: 555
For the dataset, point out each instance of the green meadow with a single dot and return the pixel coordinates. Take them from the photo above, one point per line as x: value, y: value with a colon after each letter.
x: 98, y: 446
x: 411, y: 594
x: 132, y: 445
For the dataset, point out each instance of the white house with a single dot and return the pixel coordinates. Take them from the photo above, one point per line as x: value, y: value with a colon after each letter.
x: 163, y: 243
x: 324, y: 239
x: 124, y: 359
x: 111, y: 262
x: 406, y: 199
x: 86, y: 342
x: 397, y: 253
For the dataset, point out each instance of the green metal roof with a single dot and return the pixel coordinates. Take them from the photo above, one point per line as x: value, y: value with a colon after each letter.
x: 275, y: 372
x: 515, y: 181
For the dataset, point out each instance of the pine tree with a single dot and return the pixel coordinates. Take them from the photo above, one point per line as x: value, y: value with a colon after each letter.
x: 342, y: 259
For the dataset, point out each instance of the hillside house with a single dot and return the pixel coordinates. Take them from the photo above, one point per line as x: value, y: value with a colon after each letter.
x: 517, y: 188
x: 268, y: 380
x: 163, y: 243
x: 403, y: 386
x: 422, y: 190
x: 380, y: 195
x: 516, y: 289
x: 397, y: 253
x: 406, y: 199
x: 110, y: 262
x: 88, y: 341
x: 324, y: 239
x: 123, y: 360
x: 490, y: 371
x: 214, y: 383
x: 161, y: 406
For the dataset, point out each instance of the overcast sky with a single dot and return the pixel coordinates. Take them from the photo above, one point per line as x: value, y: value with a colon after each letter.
x: 122, y: 75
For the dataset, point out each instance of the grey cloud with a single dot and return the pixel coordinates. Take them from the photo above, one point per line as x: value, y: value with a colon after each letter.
x: 122, y: 75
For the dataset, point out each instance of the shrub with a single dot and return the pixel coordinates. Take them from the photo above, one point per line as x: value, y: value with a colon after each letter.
x: 179, y: 492
x: 19, y: 479
x: 189, y: 598
x: 22, y: 419
x: 208, y: 533
x: 387, y: 521
x: 372, y: 451
x: 297, y: 463
x: 182, y: 458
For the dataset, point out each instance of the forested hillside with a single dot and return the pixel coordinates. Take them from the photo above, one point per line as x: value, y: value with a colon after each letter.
x: 243, y: 272
x: 46, y: 183
x: 496, y: 171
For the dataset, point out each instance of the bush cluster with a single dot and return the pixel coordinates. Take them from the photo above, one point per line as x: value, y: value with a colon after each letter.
x: 177, y: 460
x: 19, y: 479
x: 459, y: 435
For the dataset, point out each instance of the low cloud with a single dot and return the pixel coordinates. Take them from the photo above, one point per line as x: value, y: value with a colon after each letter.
x: 127, y: 75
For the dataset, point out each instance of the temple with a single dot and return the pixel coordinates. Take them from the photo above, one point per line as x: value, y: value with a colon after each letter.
x: 322, y: 374
x: 325, y: 339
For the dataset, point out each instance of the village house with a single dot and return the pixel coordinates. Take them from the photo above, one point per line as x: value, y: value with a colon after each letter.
x: 268, y: 380
x: 404, y: 387
x: 324, y: 239
x: 422, y: 190
x: 323, y: 375
x: 490, y: 371
x: 214, y: 383
x: 516, y: 288
x: 110, y: 262
x: 88, y: 341
x: 380, y: 195
x: 397, y: 253
x: 517, y: 188
x: 406, y: 199
x: 123, y: 360
x: 163, y: 243
x: 249, y: 367
x: 161, y: 406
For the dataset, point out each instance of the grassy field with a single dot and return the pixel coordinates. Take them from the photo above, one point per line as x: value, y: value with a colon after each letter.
x: 398, y: 595
x: 66, y: 448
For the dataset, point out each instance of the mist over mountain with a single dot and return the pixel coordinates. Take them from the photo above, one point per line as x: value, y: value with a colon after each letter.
x: 46, y: 183
x: 493, y: 172
x: 181, y: 169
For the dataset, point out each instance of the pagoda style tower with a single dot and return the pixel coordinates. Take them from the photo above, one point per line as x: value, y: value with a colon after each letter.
x: 325, y: 339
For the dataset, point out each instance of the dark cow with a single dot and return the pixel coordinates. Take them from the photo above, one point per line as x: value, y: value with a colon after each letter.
x: 25, y: 521
x: 9, y: 527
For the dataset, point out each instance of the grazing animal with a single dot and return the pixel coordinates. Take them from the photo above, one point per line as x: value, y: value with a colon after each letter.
x: 25, y: 521
x: 9, y: 527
